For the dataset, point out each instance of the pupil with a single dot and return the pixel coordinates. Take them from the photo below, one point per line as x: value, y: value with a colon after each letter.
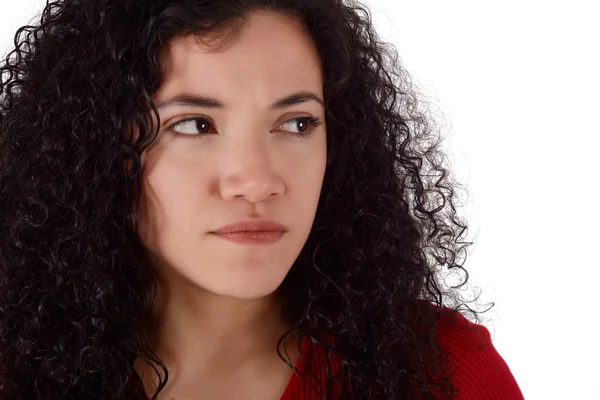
x: 301, y: 122
x: 201, y: 123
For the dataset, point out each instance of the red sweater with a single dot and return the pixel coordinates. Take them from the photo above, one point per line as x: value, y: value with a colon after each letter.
x: 481, y: 373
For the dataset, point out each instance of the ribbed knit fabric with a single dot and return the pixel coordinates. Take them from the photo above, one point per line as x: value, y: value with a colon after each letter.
x: 313, y: 386
x: 480, y: 373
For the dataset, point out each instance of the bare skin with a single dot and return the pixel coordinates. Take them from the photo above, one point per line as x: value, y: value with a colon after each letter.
x: 217, y: 312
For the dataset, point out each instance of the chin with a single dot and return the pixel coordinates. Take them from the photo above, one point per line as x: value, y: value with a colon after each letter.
x: 239, y: 285
x: 249, y: 290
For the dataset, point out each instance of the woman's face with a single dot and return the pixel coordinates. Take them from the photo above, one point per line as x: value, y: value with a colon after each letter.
x: 216, y: 165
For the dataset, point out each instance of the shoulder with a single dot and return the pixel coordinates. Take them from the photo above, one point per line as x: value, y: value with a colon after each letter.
x: 480, y: 372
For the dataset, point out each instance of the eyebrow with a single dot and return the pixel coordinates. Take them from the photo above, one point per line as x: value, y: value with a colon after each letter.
x: 211, y: 102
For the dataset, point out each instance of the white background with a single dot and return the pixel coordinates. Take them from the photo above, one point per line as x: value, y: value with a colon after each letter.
x: 517, y: 85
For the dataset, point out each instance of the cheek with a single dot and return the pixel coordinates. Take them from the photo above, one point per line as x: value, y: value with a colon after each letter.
x: 306, y: 184
x: 303, y: 174
x: 170, y: 194
x: 307, y: 171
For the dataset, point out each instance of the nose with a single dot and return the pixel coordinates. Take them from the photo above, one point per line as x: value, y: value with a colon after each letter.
x: 249, y: 173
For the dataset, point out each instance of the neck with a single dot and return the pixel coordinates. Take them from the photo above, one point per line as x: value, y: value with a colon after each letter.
x: 201, y: 333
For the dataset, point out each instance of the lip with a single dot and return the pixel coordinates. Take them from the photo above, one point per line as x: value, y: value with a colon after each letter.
x: 252, y: 237
x: 253, y: 232
x: 251, y: 226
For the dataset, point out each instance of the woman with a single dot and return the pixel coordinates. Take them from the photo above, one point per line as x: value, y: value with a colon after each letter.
x: 226, y: 200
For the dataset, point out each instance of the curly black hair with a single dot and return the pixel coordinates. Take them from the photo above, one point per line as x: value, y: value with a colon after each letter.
x: 76, y: 292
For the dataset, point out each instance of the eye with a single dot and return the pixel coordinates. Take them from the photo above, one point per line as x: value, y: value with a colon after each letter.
x: 201, y: 125
x: 303, y: 124
x: 192, y: 126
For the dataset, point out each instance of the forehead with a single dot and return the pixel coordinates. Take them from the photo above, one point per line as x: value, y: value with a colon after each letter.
x: 272, y: 54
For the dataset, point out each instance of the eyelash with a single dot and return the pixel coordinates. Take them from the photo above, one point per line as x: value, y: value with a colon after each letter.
x: 313, y: 122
